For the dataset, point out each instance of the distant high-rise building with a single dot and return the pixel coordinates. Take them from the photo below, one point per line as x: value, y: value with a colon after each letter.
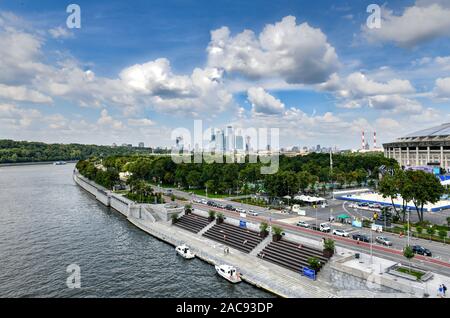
x: 114, y: 145
x: 318, y: 148
x: 141, y: 145
x: 230, y: 142
x: 247, y: 143
x: 240, y: 143
x: 220, y: 141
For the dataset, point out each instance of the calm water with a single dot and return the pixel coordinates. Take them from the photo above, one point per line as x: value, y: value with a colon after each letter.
x: 48, y: 223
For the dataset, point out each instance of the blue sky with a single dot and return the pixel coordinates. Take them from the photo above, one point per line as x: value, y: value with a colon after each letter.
x: 136, y: 70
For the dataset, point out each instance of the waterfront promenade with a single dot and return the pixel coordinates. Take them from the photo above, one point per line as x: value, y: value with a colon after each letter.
x: 258, y: 272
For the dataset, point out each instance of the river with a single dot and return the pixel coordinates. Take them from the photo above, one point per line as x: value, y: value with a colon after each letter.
x: 48, y: 223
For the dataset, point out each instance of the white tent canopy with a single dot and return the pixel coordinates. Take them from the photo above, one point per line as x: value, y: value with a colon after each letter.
x: 307, y: 198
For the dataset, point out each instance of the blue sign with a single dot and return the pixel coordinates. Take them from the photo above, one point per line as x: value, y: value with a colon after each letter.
x: 243, y: 224
x: 310, y: 273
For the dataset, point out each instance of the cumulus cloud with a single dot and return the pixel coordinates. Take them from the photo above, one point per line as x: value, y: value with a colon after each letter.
x: 60, y: 33
x: 106, y: 120
x: 442, y: 88
x: 140, y: 122
x: 422, y: 22
x: 395, y: 103
x: 23, y: 94
x: 264, y: 103
x: 295, y: 53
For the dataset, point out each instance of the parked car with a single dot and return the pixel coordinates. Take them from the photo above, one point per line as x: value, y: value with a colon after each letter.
x: 241, y: 210
x: 325, y: 227
x: 204, y: 201
x: 340, y: 232
x: 303, y: 224
x: 417, y: 249
x: 197, y: 200
x: 253, y: 213
x: 361, y: 238
x: 229, y: 207
x: 383, y: 240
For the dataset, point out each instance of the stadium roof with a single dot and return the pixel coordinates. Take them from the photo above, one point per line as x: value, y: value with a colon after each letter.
x: 442, y: 130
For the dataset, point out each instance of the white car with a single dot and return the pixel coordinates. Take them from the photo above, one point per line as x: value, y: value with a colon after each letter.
x: 302, y: 224
x: 196, y: 200
x: 203, y: 201
x: 339, y: 232
x: 240, y: 210
x: 253, y: 213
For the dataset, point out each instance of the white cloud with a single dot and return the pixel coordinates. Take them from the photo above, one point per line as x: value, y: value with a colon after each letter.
x: 264, y: 103
x: 295, y: 53
x: 395, y: 103
x: 23, y: 94
x: 142, y: 122
x: 60, y: 33
x: 422, y: 22
x: 442, y: 88
x: 106, y: 120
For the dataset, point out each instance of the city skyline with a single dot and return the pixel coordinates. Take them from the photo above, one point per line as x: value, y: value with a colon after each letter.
x: 317, y: 72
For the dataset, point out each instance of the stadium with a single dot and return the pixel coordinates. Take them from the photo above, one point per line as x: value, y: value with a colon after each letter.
x: 425, y: 148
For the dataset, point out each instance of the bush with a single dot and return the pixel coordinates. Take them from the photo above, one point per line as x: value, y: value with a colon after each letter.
x: 442, y: 234
x: 212, y: 214
x: 277, y: 230
x: 220, y: 215
x: 431, y: 231
x: 419, y: 229
x: 174, y: 217
x: 314, y: 263
x: 408, y: 252
x: 263, y: 226
x: 328, y: 245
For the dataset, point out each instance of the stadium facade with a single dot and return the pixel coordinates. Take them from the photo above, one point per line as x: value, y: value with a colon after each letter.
x: 429, y: 147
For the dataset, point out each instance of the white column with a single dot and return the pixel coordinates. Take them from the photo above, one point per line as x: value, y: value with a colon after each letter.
x: 442, y: 157
x: 417, y: 156
x: 407, y: 156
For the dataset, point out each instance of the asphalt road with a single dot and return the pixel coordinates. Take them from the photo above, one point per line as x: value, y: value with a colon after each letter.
x: 439, y: 262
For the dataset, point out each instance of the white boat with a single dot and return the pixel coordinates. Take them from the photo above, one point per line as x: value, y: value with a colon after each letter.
x: 229, y: 273
x: 184, y: 251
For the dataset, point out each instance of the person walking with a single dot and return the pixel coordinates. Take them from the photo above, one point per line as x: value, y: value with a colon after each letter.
x: 440, y: 291
x: 444, y: 289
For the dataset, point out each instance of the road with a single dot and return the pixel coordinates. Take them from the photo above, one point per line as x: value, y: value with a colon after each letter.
x: 439, y: 262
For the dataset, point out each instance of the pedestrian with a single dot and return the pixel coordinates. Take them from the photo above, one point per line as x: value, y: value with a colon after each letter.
x: 444, y: 289
x: 440, y: 291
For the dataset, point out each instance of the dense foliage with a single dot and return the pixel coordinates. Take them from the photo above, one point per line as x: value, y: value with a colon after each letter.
x: 23, y: 151
x: 296, y: 174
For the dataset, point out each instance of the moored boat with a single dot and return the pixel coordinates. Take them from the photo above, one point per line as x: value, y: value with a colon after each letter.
x: 229, y: 273
x: 184, y: 251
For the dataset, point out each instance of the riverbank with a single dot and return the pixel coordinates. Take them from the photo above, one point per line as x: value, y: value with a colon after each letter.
x: 264, y: 275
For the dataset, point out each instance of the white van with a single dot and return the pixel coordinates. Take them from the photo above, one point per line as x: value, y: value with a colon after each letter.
x: 296, y: 209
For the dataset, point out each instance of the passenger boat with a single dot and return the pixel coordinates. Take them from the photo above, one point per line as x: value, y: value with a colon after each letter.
x: 184, y: 251
x: 229, y: 273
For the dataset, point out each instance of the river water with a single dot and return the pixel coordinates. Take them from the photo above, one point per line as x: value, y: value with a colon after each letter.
x: 48, y: 223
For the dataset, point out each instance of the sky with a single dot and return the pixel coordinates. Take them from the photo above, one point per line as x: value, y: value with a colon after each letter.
x: 137, y: 70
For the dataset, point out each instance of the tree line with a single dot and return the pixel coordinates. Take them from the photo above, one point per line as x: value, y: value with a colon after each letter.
x: 296, y: 174
x: 24, y: 151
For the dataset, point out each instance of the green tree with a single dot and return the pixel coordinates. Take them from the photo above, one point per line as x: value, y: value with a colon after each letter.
x: 408, y: 253
x: 425, y: 188
x: 442, y: 234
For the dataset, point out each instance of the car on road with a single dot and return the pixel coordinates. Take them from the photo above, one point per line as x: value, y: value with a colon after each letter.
x: 241, y: 210
x: 417, y: 249
x: 325, y: 227
x: 253, y: 213
x: 363, y: 204
x: 303, y: 224
x: 383, y: 240
x: 361, y: 238
x: 229, y: 207
x: 197, y: 200
x: 340, y: 232
x: 204, y: 201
